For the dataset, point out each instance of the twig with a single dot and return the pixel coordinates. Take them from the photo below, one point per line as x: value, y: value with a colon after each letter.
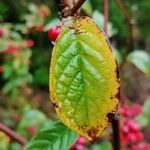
x: 106, y: 15
x: 12, y: 134
x: 116, y: 134
x: 124, y: 10
x: 66, y: 7
x: 130, y: 21
x: 77, y: 6
x: 68, y: 3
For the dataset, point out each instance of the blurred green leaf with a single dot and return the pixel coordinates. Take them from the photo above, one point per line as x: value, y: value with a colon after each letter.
x: 87, y: 7
x: 32, y: 118
x: 118, y: 56
x: 3, y: 46
x: 99, y: 20
x: 15, y: 35
x: 14, y: 146
x: 141, y: 60
x: 144, y: 119
x: 51, y: 23
x: 41, y: 72
x: 21, y: 27
x: 8, y: 71
x: 33, y: 8
x: 147, y: 107
x: 55, y: 136
x: 103, y: 146
x: 4, y: 141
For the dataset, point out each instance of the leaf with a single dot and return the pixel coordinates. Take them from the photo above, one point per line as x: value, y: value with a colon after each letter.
x: 39, y: 119
x: 103, y: 146
x: 83, y: 78
x: 144, y: 119
x: 87, y: 8
x: 51, y: 23
x: 99, y: 20
x: 55, y: 136
x: 146, y: 107
x: 141, y: 60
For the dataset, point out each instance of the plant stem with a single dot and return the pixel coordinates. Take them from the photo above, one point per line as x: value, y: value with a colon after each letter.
x: 130, y: 23
x: 77, y: 6
x: 106, y: 15
x: 123, y: 9
x: 116, y: 134
x: 68, y: 3
x: 12, y: 134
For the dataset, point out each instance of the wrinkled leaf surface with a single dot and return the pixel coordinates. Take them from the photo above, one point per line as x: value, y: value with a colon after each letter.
x: 84, y: 78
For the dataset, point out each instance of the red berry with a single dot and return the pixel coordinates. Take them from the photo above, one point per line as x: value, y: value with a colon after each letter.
x: 79, y: 144
x: 136, y: 110
x: 125, y: 129
x: 80, y: 147
x: 133, y: 127
x: 135, y: 147
x: 10, y: 50
x: 73, y: 147
x: 81, y: 141
x: 2, y: 32
x: 30, y: 43
x: 130, y: 132
x: 77, y: 147
x: 131, y: 111
x: 139, y: 136
x: 1, y: 69
x: 146, y: 146
x: 125, y: 111
x: 131, y: 137
x: 31, y: 130
x: 53, y: 33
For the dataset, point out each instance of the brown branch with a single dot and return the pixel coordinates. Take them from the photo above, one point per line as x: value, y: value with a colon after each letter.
x: 77, y: 6
x: 67, y: 3
x: 131, y: 23
x: 106, y: 15
x: 124, y: 10
x: 116, y: 134
x: 12, y: 134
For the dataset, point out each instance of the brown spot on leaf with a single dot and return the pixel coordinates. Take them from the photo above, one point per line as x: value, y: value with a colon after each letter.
x: 93, y: 133
x: 110, y: 116
x: 118, y: 94
x: 55, y: 105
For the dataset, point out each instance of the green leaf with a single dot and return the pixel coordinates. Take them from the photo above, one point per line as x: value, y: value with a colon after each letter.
x: 99, y: 20
x: 87, y: 8
x: 55, y: 136
x: 39, y: 119
x: 103, y: 146
x: 51, y: 23
x: 83, y: 78
x: 142, y: 120
x: 146, y: 107
x: 141, y: 60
